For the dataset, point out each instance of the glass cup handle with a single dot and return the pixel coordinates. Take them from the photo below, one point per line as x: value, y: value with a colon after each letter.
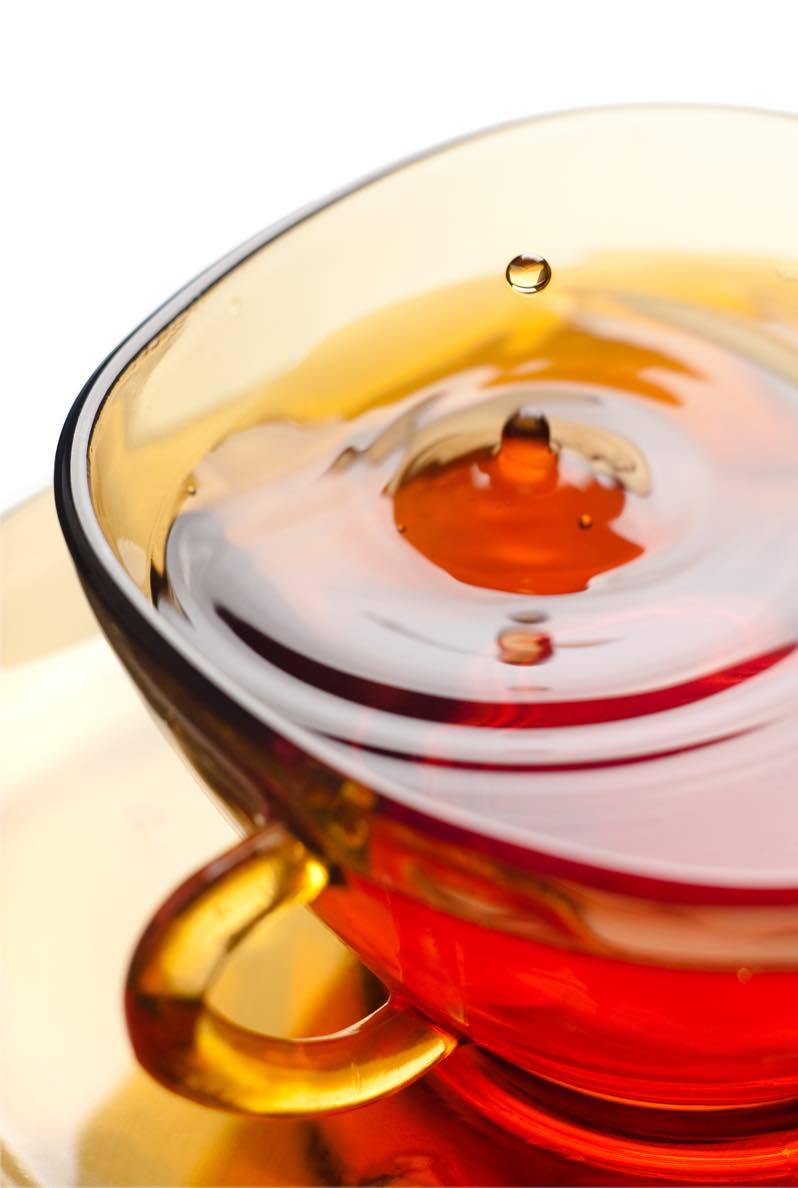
x: 196, y: 1051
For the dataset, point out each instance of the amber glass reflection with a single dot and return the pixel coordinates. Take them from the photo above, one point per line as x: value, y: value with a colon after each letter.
x: 643, y: 988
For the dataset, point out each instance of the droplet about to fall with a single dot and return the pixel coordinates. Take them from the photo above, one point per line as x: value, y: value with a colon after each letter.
x: 510, y: 519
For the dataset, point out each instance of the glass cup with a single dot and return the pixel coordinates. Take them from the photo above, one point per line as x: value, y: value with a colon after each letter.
x: 602, y: 1000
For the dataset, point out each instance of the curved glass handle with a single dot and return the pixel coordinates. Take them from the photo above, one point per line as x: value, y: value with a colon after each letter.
x: 196, y: 1051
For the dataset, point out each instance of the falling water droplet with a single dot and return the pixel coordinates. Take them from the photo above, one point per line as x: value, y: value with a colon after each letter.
x: 585, y: 521
x: 523, y: 647
x: 528, y: 274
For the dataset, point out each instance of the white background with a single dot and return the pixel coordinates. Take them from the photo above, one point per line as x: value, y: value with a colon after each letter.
x: 143, y: 140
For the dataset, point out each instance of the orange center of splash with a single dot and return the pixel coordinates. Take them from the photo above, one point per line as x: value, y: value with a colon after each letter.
x: 511, y: 521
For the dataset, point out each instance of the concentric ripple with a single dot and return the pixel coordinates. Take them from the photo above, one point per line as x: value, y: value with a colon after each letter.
x: 553, y: 590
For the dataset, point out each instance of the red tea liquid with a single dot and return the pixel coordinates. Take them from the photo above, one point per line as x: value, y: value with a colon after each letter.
x: 543, y: 588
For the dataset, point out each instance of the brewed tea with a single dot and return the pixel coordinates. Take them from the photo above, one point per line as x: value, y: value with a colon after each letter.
x: 541, y: 583
x: 548, y: 577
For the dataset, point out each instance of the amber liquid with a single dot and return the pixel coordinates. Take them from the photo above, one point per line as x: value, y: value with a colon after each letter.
x: 543, y: 588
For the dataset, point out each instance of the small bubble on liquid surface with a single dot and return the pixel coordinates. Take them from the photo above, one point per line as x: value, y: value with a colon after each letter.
x: 528, y: 273
x: 523, y: 647
x: 530, y: 616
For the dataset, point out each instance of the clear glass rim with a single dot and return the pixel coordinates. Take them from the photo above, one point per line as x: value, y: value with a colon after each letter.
x: 105, y: 575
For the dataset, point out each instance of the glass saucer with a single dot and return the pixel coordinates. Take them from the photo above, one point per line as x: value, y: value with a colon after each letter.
x: 90, y: 846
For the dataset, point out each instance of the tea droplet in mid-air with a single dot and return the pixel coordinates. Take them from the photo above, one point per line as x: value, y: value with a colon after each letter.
x: 523, y: 647
x: 528, y: 274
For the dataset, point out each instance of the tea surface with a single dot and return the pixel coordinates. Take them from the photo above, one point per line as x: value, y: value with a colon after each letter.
x: 546, y: 582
